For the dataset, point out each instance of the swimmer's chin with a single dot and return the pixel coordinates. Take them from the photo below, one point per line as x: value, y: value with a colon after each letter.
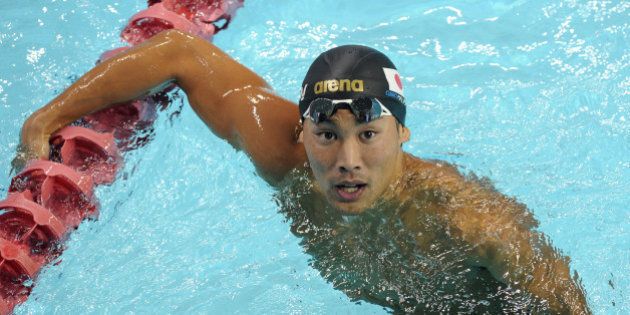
x: 349, y: 208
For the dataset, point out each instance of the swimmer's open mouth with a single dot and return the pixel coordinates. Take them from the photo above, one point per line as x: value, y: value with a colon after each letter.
x: 349, y: 192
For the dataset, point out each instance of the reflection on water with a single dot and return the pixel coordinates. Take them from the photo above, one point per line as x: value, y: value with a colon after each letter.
x: 378, y: 258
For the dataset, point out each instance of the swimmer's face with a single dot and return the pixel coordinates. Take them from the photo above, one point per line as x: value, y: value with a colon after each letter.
x: 354, y: 163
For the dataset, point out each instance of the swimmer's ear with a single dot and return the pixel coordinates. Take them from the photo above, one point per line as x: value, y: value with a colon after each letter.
x: 404, y: 133
x: 299, y: 132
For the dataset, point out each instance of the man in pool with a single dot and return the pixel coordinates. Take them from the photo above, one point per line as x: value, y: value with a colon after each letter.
x: 382, y: 225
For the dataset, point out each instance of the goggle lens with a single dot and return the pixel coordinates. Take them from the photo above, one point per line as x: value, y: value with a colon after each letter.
x: 364, y: 109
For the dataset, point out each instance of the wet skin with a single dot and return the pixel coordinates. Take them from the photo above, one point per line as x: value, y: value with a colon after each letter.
x: 354, y: 163
x: 396, y: 254
x: 401, y: 205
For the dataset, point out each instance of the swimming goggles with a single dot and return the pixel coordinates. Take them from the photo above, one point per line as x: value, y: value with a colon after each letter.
x: 365, y: 109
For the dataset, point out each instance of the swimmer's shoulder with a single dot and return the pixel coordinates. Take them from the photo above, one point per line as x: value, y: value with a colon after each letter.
x: 468, y: 202
x: 430, y: 174
x: 462, y: 196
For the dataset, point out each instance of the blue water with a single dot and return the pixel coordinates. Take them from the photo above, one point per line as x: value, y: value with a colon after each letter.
x: 532, y: 94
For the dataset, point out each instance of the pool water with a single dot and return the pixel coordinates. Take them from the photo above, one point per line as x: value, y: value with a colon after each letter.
x: 533, y: 95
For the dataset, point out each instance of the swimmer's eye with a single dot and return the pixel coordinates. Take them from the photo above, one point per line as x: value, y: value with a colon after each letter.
x: 368, y: 134
x: 327, y: 135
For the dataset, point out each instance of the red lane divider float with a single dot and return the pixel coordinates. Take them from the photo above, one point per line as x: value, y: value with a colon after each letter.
x: 16, y: 268
x: 48, y: 199
x: 66, y: 192
x: 27, y: 222
x: 89, y: 152
x: 157, y: 18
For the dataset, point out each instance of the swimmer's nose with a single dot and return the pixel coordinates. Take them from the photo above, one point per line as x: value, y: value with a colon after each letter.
x: 349, y: 157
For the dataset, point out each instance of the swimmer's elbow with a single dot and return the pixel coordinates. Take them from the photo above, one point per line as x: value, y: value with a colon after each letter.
x: 173, y: 36
x: 191, y: 60
x: 187, y: 44
x: 177, y: 45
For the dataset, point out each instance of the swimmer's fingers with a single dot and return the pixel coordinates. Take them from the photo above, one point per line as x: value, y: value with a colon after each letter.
x: 33, y: 149
x: 18, y: 162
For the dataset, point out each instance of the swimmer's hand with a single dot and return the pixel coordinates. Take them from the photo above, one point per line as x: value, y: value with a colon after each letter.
x: 34, y: 145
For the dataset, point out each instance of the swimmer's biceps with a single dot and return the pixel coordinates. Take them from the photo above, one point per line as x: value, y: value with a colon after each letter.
x: 483, y: 230
x: 491, y: 232
x: 520, y: 257
x: 215, y: 84
x: 501, y: 234
x: 267, y: 131
x: 238, y: 106
x: 261, y: 124
x: 206, y: 70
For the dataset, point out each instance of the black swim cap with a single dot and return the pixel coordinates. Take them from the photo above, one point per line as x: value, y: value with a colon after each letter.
x: 352, y: 72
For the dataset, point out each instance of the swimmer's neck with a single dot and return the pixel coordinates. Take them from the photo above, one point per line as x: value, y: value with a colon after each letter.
x: 395, y: 189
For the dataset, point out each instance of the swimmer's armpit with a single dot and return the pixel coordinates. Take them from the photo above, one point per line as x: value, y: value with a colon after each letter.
x: 501, y: 232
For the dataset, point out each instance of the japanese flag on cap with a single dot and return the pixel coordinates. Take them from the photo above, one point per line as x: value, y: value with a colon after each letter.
x: 393, y: 80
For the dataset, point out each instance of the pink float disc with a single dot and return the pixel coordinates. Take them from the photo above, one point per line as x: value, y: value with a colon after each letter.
x: 155, y: 19
x: 89, y: 152
x: 67, y: 193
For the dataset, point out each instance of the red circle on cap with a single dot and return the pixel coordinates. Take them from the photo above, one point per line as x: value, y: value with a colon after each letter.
x: 397, y: 78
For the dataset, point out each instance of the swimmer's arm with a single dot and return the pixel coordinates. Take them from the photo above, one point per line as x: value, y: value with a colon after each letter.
x: 500, y: 231
x: 232, y: 100
x: 124, y: 77
x: 239, y: 106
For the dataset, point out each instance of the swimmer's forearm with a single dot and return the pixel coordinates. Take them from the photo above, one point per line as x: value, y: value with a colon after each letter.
x: 541, y: 271
x: 122, y: 78
x: 233, y: 101
x: 205, y: 73
x: 558, y: 288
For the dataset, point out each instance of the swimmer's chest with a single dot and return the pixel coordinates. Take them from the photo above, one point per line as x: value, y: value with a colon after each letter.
x: 400, y: 250
x: 382, y: 256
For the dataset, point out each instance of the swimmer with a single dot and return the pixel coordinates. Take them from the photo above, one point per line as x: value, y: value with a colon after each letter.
x: 382, y: 225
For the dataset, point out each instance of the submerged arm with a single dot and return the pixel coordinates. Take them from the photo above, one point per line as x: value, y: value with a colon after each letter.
x: 500, y: 232
x: 225, y: 94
